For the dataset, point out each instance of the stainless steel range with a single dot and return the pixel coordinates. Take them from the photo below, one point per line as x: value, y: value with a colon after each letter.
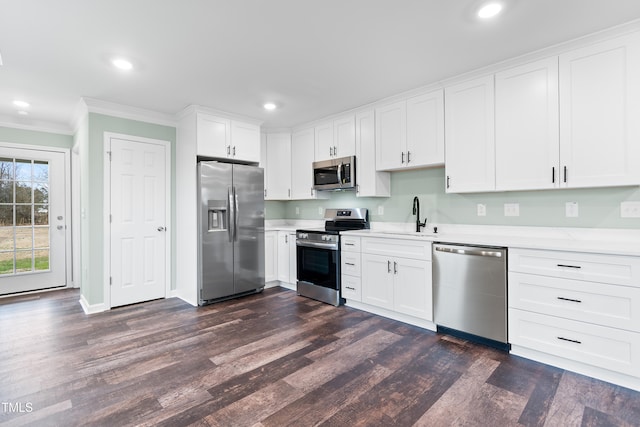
x: 318, y: 254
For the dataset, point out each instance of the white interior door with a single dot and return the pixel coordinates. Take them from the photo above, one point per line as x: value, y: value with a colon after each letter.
x: 33, y: 228
x: 138, y: 221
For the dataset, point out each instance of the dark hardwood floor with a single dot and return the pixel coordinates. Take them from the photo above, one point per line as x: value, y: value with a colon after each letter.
x: 273, y: 359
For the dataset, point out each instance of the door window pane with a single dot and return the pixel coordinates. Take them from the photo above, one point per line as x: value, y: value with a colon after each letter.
x: 6, y: 239
x: 23, y: 215
x: 40, y: 193
x: 41, y: 237
x: 6, y: 191
x: 24, y: 192
x: 40, y: 171
x: 23, y: 170
x: 6, y: 168
x: 41, y: 259
x: 24, y: 238
x: 24, y: 261
x: 6, y: 215
x: 41, y: 214
x: 6, y: 262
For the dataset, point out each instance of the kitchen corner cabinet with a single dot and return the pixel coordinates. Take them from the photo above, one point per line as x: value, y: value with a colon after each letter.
x: 228, y: 139
x: 278, y: 168
x: 410, y: 133
x: 527, y: 139
x: 335, y: 138
x: 470, y: 136
x: 302, y: 157
x: 396, y: 275
x: 599, y: 114
x: 270, y: 256
x: 369, y: 182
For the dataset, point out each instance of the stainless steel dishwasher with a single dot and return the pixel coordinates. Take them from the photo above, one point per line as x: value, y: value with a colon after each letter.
x: 470, y: 292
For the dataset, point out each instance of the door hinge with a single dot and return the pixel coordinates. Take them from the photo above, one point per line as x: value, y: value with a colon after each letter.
x: 109, y: 153
x: 110, y: 280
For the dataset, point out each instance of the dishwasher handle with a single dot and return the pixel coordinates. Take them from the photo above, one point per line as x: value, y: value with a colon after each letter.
x: 471, y: 251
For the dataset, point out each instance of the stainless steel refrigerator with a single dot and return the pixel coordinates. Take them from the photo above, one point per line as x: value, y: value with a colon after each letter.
x: 231, y: 230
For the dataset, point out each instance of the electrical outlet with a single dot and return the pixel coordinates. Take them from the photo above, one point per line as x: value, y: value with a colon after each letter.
x: 482, y: 209
x: 380, y: 210
x: 320, y: 211
x: 630, y: 210
x: 511, y: 209
x: 297, y: 210
x: 571, y: 209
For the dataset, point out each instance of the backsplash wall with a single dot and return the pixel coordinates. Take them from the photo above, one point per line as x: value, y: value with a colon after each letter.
x: 598, y: 208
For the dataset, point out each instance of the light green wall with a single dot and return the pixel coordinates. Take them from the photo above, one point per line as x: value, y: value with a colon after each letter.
x: 92, y: 190
x: 21, y: 136
x: 274, y: 209
x: 598, y: 208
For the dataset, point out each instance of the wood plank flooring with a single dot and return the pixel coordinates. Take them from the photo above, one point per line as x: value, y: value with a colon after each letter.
x: 273, y: 359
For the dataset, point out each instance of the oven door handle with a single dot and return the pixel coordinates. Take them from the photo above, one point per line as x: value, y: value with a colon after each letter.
x: 331, y: 246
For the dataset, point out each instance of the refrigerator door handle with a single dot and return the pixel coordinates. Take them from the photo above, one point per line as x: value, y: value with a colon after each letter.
x: 236, y: 215
x: 230, y: 213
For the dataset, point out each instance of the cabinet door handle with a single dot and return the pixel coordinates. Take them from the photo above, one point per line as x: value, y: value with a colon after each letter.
x: 448, y: 180
x: 402, y: 158
x: 553, y: 175
x: 311, y: 191
x: 569, y: 340
x: 569, y: 299
x: 349, y: 244
x: 330, y: 151
x: 228, y: 150
x: 335, y: 150
x: 286, y: 238
x: 357, y: 188
x: 565, y: 174
x: 350, y: 288
x: 234, y: 151
x: 289, y: 192
x: 388, y: 266
x: 569, y: 266
x: 408, y: 156
x: 350, y: 263
x: 395, y: 267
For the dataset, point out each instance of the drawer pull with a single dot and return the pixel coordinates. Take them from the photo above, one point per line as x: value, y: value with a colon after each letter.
x: 351, y: 289
x: 569, y: 299
x: 569, y: 340
x: 569, y: 266
x: 350, y: 263
x: 349, y: 244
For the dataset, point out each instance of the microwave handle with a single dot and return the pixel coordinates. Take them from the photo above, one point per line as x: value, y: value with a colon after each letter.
x: 340, y: 166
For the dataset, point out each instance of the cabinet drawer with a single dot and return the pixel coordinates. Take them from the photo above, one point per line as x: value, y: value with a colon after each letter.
x: 602, y: 304
x: 607, y: 348
x: 615, y: 269
x: 351, y: 289
x: 414, y: 249
x: 350, y: 243
x: 350, y: 263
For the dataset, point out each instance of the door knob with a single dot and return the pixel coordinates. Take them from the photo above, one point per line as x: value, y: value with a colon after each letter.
x: 60, y: 227
x: 161, y: 229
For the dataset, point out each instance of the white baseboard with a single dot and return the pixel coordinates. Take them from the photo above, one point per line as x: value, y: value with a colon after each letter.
x: 426, y: 324
x: 92, y: 308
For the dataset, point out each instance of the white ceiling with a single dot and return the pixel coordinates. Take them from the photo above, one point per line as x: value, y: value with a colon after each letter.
x: 311, y: 57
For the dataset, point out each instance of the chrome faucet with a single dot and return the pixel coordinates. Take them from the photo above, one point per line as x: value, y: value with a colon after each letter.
x: 416, y: 212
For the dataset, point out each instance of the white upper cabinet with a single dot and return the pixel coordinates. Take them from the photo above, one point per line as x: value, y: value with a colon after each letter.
x: 229, y: 139
x: 245, y: 141
x: 600, y: 114
x: 324, y: 141
x: 336, y: 138
x: 410, y: 134
x: 370, y: 182
x: 344, y: 136
x: 302, y: 155
x: 469, y: 136
x: 213, y: 136
x: 391, y: 136
x: 278, y: 169
x: 425, y: 129
x: 527, y: 126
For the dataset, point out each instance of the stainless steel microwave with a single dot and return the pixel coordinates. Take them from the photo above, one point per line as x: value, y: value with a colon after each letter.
x: 335, y: 174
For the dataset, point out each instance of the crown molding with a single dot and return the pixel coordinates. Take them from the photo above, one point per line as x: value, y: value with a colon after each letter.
x: 128, y: 112
x: 38, y: 126
x: 193, y: 109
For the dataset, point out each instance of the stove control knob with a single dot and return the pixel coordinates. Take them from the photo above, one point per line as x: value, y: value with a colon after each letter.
x: 303, y: 235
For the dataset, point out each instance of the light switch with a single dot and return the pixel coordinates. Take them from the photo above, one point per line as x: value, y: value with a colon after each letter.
x: 482, y: 209
x: 297, y: 210
x: 380, y: 210
x: 320, y: 210
x: 630, y: 210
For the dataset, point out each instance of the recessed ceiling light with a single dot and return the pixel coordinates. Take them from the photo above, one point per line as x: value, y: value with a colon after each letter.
x: 122, y: 64
x: 23, y: 113
x: 21, y: 104
x: 489, y: 10
x: 269, y: 106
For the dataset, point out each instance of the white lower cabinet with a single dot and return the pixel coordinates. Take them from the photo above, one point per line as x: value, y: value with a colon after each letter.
x: 350, y: 268
x: 287, y: 267
x: 578, y: 311
x: 401, y: 284
x: 270, y: 256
